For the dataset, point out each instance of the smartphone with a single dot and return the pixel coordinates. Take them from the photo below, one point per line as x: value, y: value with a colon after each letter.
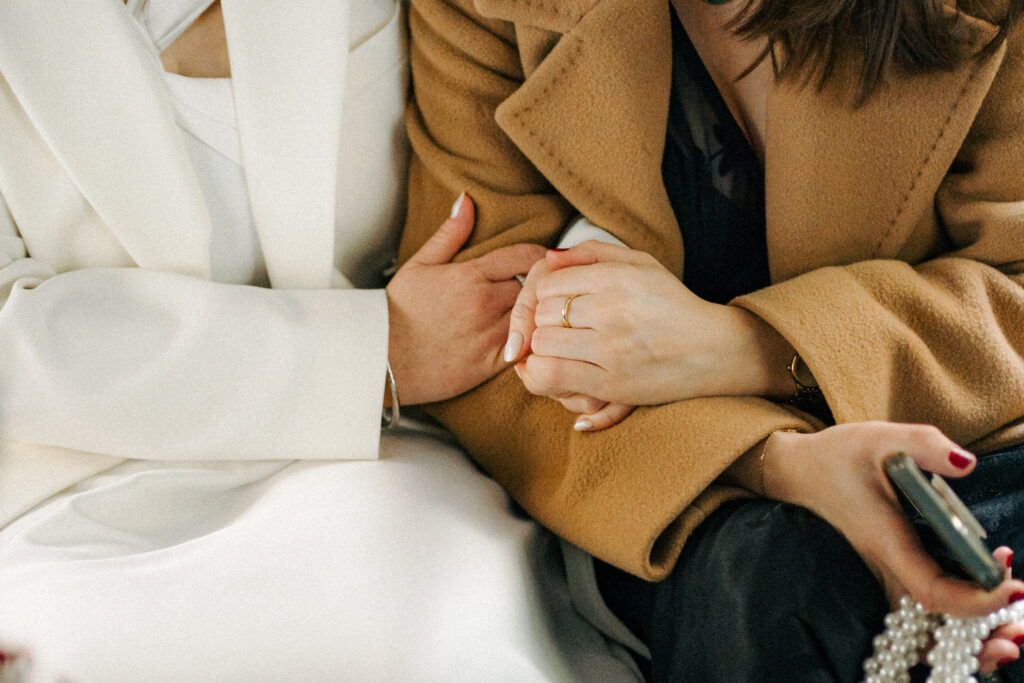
x: 948, y: 517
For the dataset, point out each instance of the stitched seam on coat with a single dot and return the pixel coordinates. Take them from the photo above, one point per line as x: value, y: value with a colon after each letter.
x: 927, y: 159
x: 547, y: 7
x: 548, y: 151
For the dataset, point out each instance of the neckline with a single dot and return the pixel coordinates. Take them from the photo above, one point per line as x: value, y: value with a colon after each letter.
x: 681, y: 43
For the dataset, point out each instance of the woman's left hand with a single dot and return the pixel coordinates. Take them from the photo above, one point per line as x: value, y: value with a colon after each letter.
x: 639, y: 336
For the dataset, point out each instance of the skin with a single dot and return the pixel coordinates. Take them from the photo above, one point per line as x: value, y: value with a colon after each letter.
x: 675, y: 346
x: 447, y: 321
x: 443, y: 344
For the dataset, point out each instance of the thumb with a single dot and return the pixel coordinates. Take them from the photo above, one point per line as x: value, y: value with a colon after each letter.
x: 449, y: 238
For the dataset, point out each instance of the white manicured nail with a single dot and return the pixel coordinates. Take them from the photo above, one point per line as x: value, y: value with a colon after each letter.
x: 457, y: 205
x: 512, y: 346
x: 583, y: 425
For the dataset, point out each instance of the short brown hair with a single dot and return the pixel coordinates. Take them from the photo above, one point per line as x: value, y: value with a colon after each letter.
x: 919, y: 35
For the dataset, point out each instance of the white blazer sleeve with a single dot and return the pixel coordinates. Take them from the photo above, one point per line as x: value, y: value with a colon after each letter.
x: 143, y: 364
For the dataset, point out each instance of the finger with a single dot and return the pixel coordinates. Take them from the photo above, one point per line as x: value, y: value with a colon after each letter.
x: 580, y: 403
x: 562, y: 377
x: 907, y: 560
x: 549, y: 312
x: 997, y: 652
x: 592, y: 251
x: 930, y: 449
x: 563, y: 342
x: 500, y: 298
x: 1004, y: 556
x: 449, y: 238
x: 536, y: 388
x: 507, y: 262
x: 521, y: 324
x: 609, y: 416
x: 1013, y: 632
x: 581, y: 280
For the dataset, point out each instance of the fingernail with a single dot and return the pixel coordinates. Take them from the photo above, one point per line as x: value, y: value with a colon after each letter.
x: 959, y: 460
x: 583, y: 425
x: 1009, y: 560
x: 512, y: 346
x: 558, y: 249
x: 1018, y: 640
x: 457, y: 206
x: 1004, y: 661
x: 1016, y: 597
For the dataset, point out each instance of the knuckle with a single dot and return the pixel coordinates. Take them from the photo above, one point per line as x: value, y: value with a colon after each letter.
x: 547, y: 373
x: 522, y: 315
x: 538, y: 340
x: 928, y: 595
x: 926, y: 434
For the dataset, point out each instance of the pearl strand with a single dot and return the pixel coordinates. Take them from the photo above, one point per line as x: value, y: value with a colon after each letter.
x: 954, y: 655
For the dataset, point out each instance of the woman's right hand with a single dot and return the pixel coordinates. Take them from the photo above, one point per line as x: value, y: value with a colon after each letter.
x: 448, y: 321
x: 838, y: 474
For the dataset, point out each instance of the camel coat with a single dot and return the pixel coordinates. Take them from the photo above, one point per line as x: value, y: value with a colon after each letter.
x: 895, y: 237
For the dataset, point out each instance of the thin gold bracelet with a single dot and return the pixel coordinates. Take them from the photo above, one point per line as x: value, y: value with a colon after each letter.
x: 764, y: 449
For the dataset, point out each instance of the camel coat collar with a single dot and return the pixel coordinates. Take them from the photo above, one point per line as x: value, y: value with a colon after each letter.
x: 106, y: 118
x: 607, y: 75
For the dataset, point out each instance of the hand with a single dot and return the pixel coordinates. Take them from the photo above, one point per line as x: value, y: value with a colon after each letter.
x: 638, y: 335
x: 837, y: 473
x: 595, y: 414
x: 448, y: 320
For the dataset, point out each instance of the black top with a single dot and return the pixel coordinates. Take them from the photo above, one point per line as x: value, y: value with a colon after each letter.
x: 714, y: 182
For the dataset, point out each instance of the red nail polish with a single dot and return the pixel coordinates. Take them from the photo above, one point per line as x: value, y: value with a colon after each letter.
x: 1018, y: 640
x: 3, y: 657
x: 1004, y: 661
x: 958, y: 460
x: 1016, y: 597
x: 1009, y: 560
x: 558, y: 249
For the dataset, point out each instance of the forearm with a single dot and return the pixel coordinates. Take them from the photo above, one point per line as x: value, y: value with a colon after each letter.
x: 137, y: 363
x: 630, y: 494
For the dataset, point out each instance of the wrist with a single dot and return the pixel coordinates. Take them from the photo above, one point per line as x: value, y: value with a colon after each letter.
x: 760, y: 356
x: 778, y: 459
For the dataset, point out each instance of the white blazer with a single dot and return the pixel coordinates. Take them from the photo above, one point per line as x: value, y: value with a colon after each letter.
x: 113, y: 342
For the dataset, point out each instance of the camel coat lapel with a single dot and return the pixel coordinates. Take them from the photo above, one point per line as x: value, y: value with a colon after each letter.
x: 288, y: 101
x: 105, y: 119
x: 592, y: 118
x: 824, y: 173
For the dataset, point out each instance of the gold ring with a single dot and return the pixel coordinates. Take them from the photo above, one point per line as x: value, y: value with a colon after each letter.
x: 565, y: 310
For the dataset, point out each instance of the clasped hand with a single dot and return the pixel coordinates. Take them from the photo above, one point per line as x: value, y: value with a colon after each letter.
x: 448, y: 320
x: 638, y: 336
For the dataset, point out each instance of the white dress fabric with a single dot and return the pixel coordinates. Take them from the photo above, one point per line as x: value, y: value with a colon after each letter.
x: 408, y: 568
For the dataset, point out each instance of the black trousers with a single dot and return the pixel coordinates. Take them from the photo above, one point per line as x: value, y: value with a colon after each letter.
x: 767, y: 591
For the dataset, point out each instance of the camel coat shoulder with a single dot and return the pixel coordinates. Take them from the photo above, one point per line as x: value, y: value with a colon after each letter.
x: 895, y: 236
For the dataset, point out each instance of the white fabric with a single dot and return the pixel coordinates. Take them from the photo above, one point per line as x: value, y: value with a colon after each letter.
x: 206, y: 114
x: 157, y: 524
x: 406, y: 569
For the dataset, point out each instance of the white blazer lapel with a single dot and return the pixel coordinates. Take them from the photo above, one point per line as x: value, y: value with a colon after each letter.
x: 288, y: 72
x: 81, y: 70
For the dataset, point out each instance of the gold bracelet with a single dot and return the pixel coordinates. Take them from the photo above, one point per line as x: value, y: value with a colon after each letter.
x: 764, y: 449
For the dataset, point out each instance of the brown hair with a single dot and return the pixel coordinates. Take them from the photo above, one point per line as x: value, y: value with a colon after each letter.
x: 918, y: 35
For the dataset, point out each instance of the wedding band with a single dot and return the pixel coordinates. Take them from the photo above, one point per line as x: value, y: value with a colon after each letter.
x: 565, y: 310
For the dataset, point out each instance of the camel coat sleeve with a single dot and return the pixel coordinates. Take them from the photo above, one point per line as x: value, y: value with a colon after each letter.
x: 938, y: 341
x: 629, y: 495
